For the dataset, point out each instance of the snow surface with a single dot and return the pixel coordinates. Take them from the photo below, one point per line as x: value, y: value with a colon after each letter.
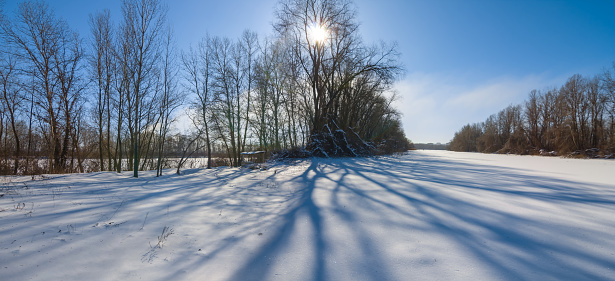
x: 427, y: 215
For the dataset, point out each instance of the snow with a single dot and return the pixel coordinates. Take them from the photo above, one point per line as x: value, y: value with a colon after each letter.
x: 252, y: 152
x: 426, y: 215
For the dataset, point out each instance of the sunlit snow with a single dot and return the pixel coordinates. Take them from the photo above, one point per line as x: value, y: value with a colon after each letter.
x: 426, y: 215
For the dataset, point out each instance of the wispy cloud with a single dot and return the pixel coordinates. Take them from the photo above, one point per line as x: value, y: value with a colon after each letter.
x: 435, y: 106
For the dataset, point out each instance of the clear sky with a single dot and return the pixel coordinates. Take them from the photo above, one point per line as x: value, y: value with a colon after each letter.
x: 464, y: 60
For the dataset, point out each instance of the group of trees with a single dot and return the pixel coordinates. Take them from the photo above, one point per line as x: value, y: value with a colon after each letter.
x: 578, y: 116
x: 70, y: 100
x: 341, y: 81
x: 108, y: 103
x: 40, y: 63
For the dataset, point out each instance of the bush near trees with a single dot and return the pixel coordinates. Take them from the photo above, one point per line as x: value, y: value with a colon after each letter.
x: 578, y: 119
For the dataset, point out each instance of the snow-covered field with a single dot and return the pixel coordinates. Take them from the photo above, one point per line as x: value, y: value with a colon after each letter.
x: 427, y: 215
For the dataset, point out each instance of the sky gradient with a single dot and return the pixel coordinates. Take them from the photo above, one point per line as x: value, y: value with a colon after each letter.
x: 464, y: 60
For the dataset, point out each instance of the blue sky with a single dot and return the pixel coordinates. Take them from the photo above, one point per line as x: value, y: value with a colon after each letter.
x: 464, y: 60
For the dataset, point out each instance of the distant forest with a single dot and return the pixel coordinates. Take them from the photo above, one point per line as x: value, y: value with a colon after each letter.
x: 576, y: 119
x: 110, y: 102
x: 430, y: 146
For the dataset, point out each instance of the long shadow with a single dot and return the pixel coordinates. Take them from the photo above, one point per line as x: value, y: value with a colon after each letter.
x: 510, y: 230
x: 156, y: 193
x: 278, y: 247
x: 415, y: 193
x: 260, y: 265
x: 520, y: 246
x: 254, y: 218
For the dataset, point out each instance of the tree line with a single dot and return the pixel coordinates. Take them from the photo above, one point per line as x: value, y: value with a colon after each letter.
x: 577, y: 118
x: 109, y: 102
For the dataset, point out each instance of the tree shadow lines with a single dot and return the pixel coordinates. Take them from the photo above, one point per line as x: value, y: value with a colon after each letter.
x: 136, y: 208
x: 385, y: 218
x: 519, y: 234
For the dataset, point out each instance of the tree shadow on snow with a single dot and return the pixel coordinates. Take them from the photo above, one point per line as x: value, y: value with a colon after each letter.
x: 515, y: 236
x: 259, y: 267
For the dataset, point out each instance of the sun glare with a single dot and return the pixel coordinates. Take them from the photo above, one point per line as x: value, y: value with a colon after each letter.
x: 317, y: 33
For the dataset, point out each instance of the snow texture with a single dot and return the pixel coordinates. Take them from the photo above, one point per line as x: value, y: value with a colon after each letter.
x: 426, y: 215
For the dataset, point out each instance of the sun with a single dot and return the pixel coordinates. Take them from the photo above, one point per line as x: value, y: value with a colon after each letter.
x: 317, y: 33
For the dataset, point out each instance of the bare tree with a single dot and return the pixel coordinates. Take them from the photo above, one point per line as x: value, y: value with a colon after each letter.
x: 489, y: 141
x: 573, y: 93
x: 228, y: 91
x: 67, y: 69
x: 122, y: 107
x: 102, y: 64
x: 249, y: 45
x: 532, y: 119
x: 198, y: 68
x: 51, y: 54
x: 190, y: 145
x: 232, y: 73
x: 171, y: 98
x: 144, y: 21
x: 223, y: 100
x: 272, y: 89
x: 596, y: 102
x: 552, y: 115
x: 570, y: 119
x: 608, y: 87
x: 466, y: 139
x: 325, y: 39
x: 12, y: 100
